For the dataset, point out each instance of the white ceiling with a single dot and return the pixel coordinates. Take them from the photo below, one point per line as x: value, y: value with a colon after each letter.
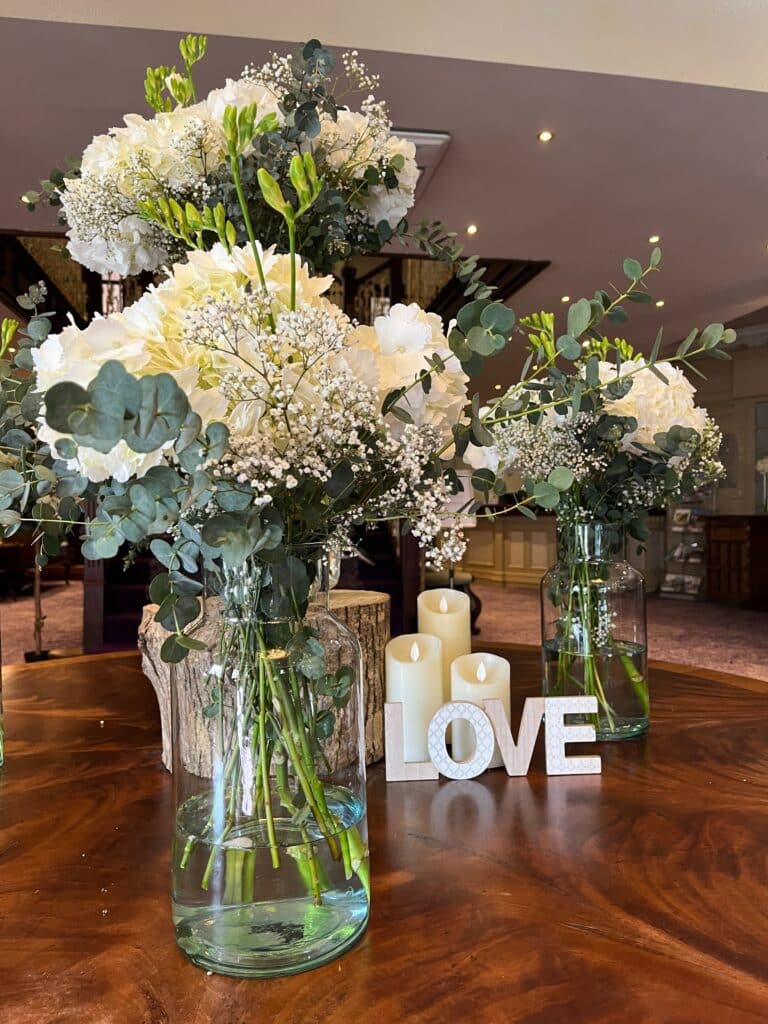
x: 631, y: 157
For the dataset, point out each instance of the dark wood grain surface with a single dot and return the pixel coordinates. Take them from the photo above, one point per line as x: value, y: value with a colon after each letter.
x: 635, y: 896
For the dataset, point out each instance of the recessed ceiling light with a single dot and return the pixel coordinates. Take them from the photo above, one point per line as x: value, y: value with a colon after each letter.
x: 660, y: 303
x: 545, y: 136
x: 654, y: 239
x: 566, y: 298
x: 497, y: 387
x: 471, y: 229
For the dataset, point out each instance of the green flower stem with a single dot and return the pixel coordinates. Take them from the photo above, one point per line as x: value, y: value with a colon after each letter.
x: 264, y: 767
x: 248, y: 871
x: 586, y: 613
x: 310, y: 859
x: 345, y: 854
x: 291, y: 224
x: 305, y: 856
x: 639, y: 684
x: 307, y: 780
x: 235, y: 169
x: 359, y: 857
x: 271, y: 705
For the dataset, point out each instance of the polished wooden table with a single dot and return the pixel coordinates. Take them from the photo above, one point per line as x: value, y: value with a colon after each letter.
x: 635, y: 896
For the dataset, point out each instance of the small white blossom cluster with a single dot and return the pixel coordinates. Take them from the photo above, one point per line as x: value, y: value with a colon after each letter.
x: 357, y: 72
x: 106, y: 234
x: 534, y: 449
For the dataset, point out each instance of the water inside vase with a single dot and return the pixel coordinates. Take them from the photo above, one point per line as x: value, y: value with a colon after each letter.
x: 254, y: 920
x: 615, y: 674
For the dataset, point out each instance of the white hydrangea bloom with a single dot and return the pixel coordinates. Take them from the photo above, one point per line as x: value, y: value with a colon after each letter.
x: 131, y: 249
x: 395, y: 351
x: 483, y: 456
x: 655, y: 405
x: 348, y: 143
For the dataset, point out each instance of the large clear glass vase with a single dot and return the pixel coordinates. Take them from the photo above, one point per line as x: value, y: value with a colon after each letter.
x: 594, y: 629
x: 270, y: 851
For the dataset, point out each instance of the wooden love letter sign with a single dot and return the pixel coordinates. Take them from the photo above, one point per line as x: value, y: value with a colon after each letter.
x: 490, y: 726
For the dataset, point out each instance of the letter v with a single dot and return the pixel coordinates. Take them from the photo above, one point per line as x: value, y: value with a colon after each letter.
x: 516, y: 756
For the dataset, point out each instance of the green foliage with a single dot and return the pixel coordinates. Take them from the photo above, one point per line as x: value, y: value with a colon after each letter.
x: 165, y: 87
x: 36, y: 488
x: 482, y: 329
x: 190, y: 224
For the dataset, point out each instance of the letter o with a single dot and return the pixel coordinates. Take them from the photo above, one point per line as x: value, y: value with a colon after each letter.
x: 484, y: 740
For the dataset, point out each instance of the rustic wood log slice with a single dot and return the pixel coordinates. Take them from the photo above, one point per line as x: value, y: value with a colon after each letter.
x: 365, y: 612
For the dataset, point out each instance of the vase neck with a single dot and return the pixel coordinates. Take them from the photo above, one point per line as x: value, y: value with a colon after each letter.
x: 279, y: 590
x: 587, y: 542
x: 327, y: 567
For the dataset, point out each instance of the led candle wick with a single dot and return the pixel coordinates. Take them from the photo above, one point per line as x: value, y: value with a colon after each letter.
x: 415, y: 652
x: 481, y: 672
x: 443, y: 606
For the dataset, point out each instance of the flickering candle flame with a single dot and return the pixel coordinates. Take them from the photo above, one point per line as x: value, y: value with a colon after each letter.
x: 443, y: 606
x: 481, y: 672
x: 415, y: 652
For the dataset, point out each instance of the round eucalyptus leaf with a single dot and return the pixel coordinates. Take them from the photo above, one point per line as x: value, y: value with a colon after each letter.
x: 101, y: 546
x: 632, y: 269
x: 568, y: 347
x: 498, y: 318
x: 469, y: 315
x: 162, y: 551
x: 579, y: 316
x: 172, y: 651
x: 61, y: 402
x: 39, y: 328
x: 561, y: 478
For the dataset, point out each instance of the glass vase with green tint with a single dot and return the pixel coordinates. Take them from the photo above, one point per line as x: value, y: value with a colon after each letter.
x: 270, y: 849
x: 593, y: 626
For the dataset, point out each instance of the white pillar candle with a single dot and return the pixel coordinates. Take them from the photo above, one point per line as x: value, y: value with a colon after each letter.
x: 475, y: 678
x: 414, y: 679
x: 445, y: 614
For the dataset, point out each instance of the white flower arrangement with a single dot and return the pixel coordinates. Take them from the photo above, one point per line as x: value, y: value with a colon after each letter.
x: 180, y: 155
x: 611, y: 453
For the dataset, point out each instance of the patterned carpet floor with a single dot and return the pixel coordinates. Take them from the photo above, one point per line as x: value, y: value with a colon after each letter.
x: 62, y: 630
x: 691, y: 633
x: 687, y: 632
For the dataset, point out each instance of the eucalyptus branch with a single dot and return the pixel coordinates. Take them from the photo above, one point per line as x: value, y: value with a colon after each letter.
x: 588, y: 389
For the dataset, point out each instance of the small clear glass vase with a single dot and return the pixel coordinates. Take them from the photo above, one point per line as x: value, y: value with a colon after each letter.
x: 594, y: 629
x: 270, y: 851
